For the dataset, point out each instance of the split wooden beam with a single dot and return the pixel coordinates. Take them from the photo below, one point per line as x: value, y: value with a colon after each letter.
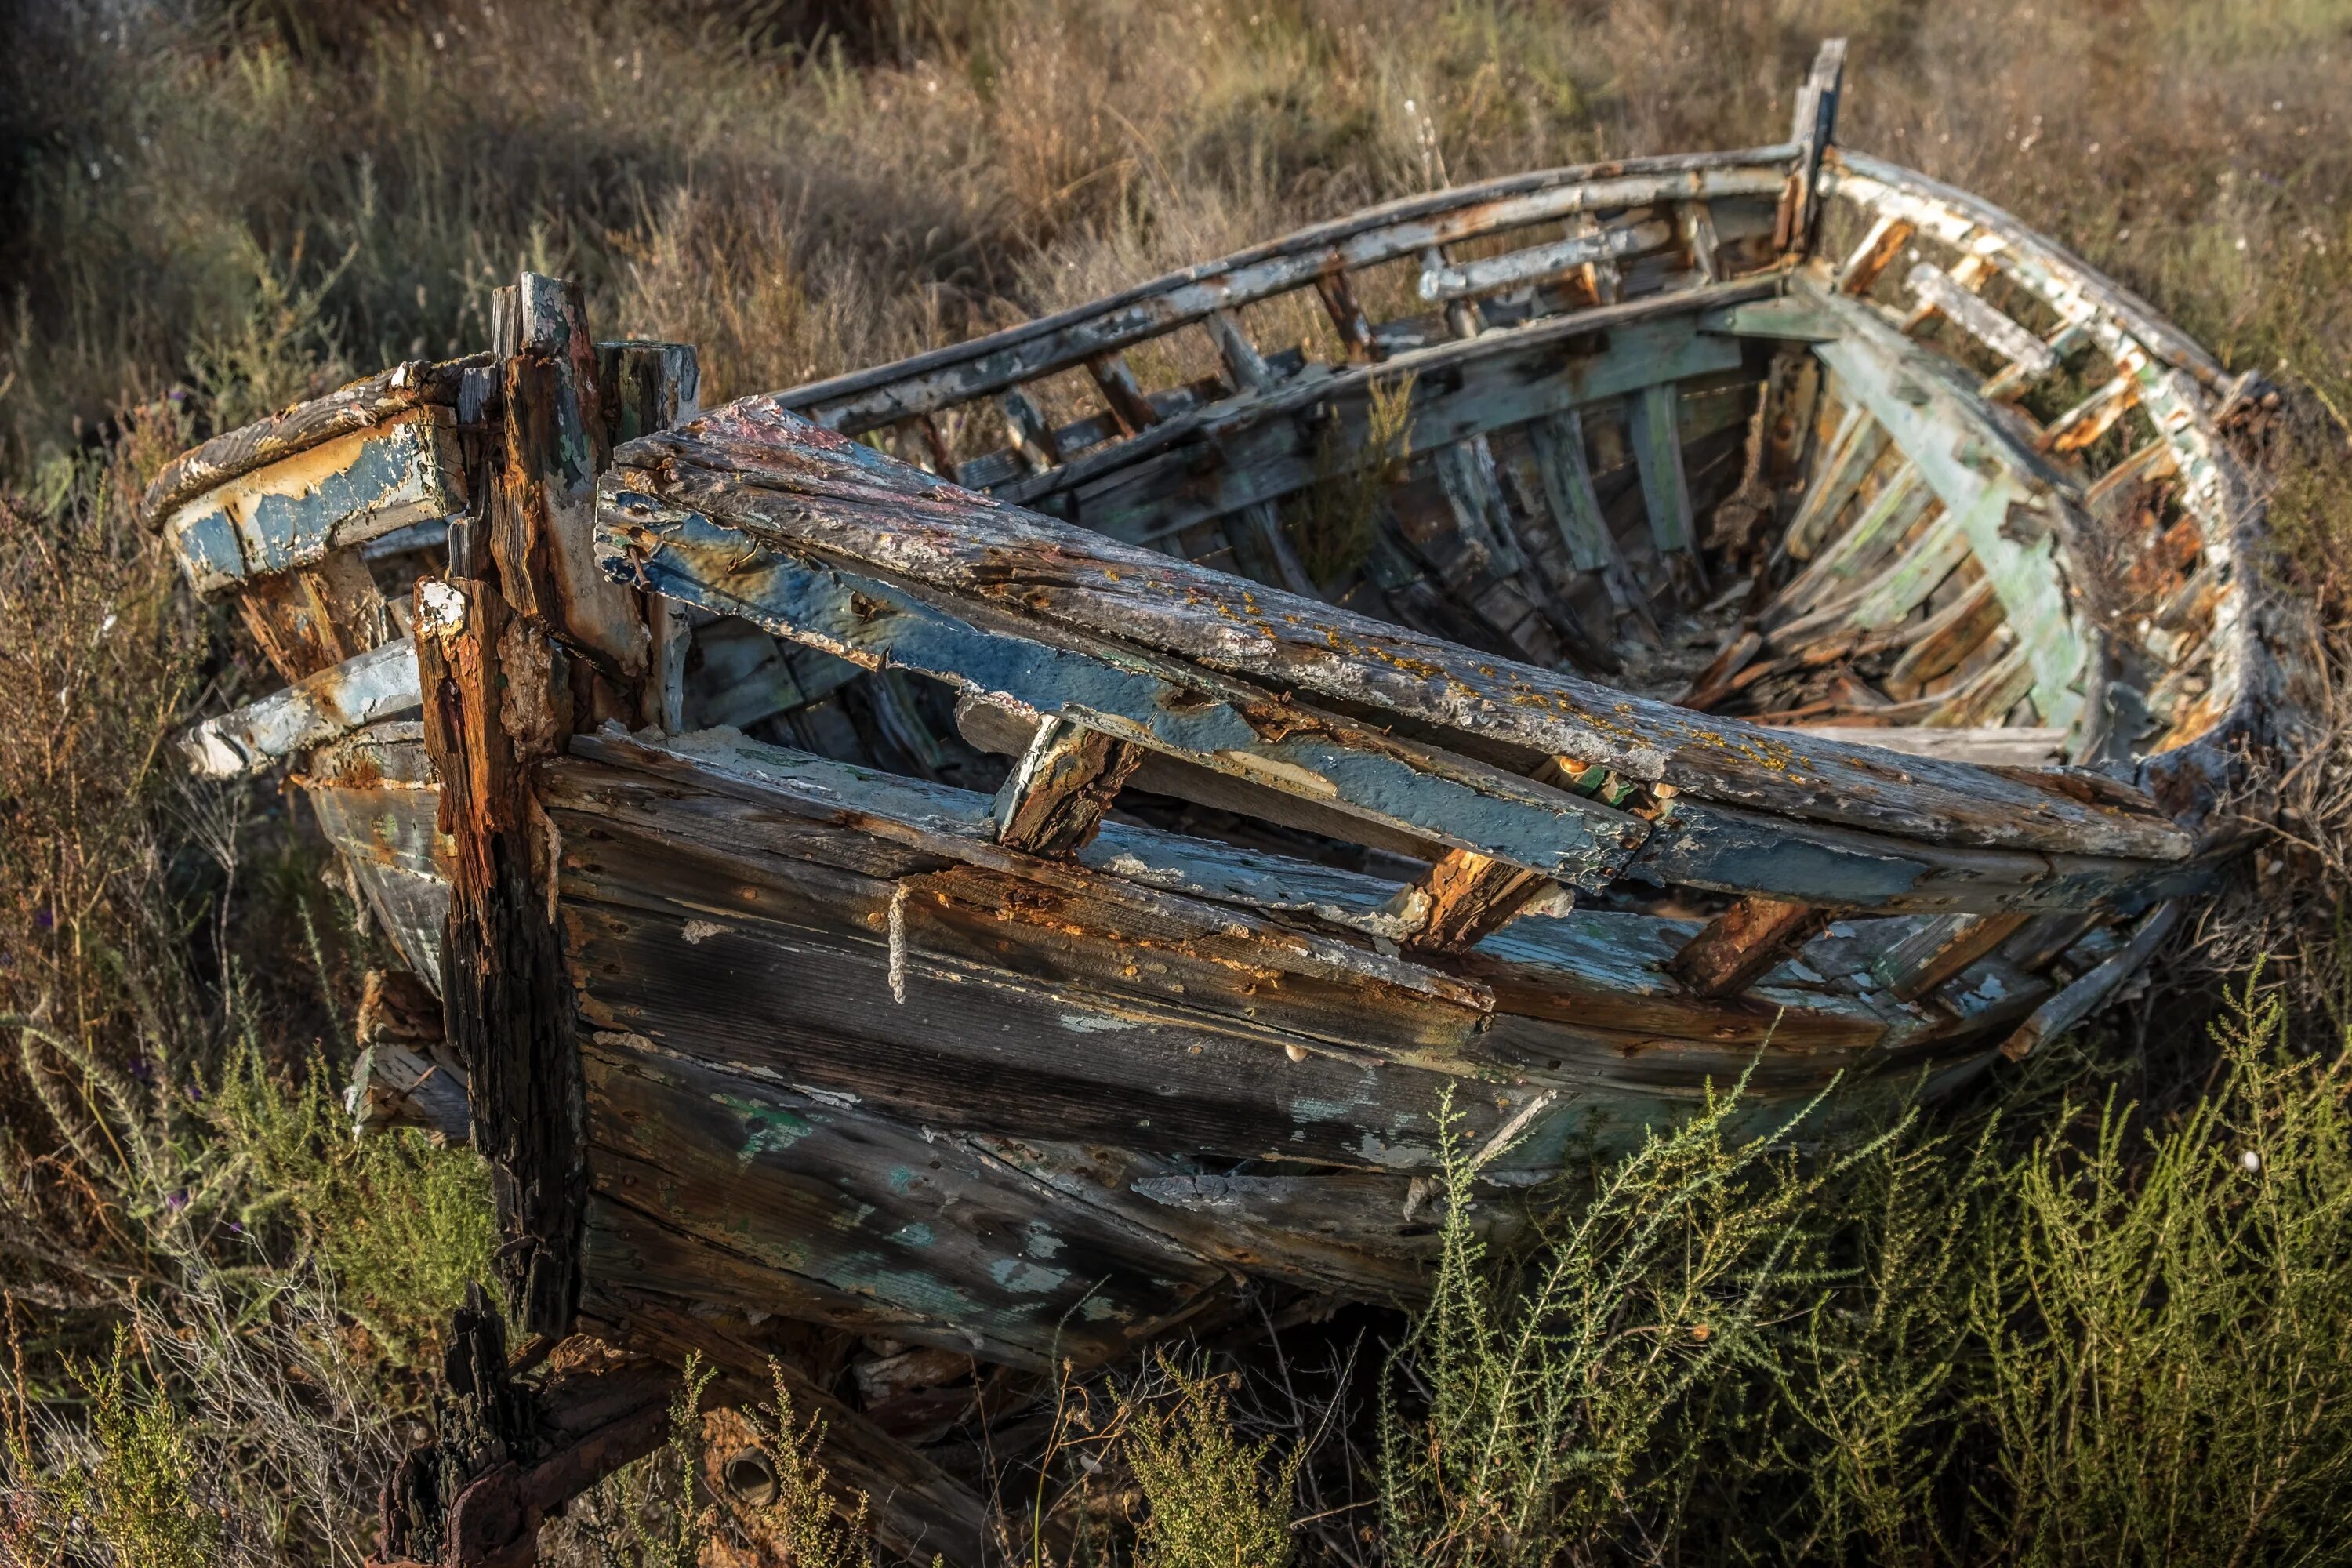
x: 554, y: 441
x: 507, y: 1003
x: 1813, y: 128
x: 1744, y: 943
x: 1059, y: 793
x: 1466, y: 897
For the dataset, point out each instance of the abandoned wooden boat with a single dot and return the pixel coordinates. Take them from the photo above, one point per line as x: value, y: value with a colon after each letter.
x: 997, y: 853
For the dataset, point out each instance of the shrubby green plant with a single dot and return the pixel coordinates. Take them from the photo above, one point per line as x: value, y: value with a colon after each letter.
x: 1213, y: 1499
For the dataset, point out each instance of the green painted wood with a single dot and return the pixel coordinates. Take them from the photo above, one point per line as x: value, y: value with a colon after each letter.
x: 1653, y: 417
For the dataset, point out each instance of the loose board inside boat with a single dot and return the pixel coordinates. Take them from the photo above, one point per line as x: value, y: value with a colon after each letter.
x: 997, y: 851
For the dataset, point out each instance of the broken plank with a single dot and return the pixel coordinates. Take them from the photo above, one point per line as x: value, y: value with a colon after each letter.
x: 1463, y: 899
x: 1741, y: 945
x: 2027, y: 356
x: 325, y: 498
x: 2080, y: 999
x: 1879, y: 248
x: 325, y: 707
x: 1058, y: 796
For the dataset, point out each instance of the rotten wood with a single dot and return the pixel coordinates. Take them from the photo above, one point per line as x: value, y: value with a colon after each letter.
x: 1057, y: 797
x: 1745, y: 943
x: 1464, y: 898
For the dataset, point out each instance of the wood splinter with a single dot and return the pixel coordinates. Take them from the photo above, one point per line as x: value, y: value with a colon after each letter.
x: 1466, y: 897
x: 1062, y: 788
x: 1743, y: 943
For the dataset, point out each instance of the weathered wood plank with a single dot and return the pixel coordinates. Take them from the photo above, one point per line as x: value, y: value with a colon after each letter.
x: 794, y: 485
x: 1542, y: 263
x: 876, y: 1215
x: 1741, y: 945
x: 362, y: 406
x: 1940, y: 949
x: 1879, y: 248
x: 2029, y: 355
x: 1812, y: 127
x: 310, y: 712
x: 502, y: 978
x: 1464, y: 898
x: 542, y: 512
x: 1654, y: 420
x: 2079, y: 1000
x: 322, y: 499
x: 1055, y: 801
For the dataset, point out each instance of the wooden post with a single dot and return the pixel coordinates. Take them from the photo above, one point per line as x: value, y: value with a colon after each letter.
x: 1815, y: 125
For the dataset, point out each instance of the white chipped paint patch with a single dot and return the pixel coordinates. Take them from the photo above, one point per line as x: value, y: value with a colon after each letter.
x: 1306, y: 1109
x: 1020, y: 1275
x: 443, y: 607
x: 840, y: 1100
x: 1096, y: 1024
x: 698, y: 931
x: 1094, y: 1310
x: 1042, y: 1243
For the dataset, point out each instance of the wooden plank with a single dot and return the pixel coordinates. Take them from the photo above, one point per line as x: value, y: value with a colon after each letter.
x: 1996, y: 746
x: 503, y: 979
x: 310, y: 618
x: 1464, y: 898
x: 1852, y: 452
x: 384, y: 398
x: 325, y: 707
x: 1193, y: 715
x: 1244, y: 367
x: 1117, y: 384
x: 1695, y: 222
x: 865, y: 399
x: 1940, y: 949
x: 1879, y: 248
x: 1835, y: 569
x: 1055, y: 801
x: 1348, y: 318
x: 1654, y: 420
x: 1813, y: 128
x: 2079, y: 1000
x: 2093, y: 418
x: 792, y: 486
x: 1542, y: 263
x: 541, y: 512
x: 1951, y: 635
x: 1558, y: 439
x: 322, y: 499
x: 1742, y: 945
x: 2029, y: 355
